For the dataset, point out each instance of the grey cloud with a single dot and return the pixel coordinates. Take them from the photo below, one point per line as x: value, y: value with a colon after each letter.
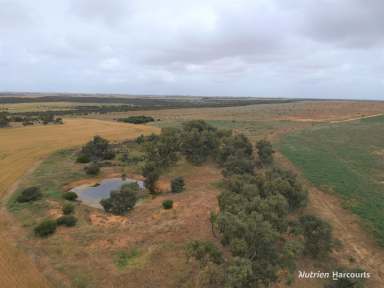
x: 109, y: 13
x: 298, y: 48
x: 348, y: 23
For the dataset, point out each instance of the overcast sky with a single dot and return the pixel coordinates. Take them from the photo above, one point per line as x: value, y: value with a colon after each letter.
x: 270, y: 48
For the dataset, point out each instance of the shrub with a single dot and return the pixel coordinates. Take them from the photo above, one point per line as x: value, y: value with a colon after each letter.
x: 45, y: 228
x: 70, y: 196
x: 265, y: 152
x: 67, y: 220
x: 168, y: 204
x: 29, y: 194
x: 177, y: 185
x: 204, y: 252
x: 151, y: 173
x: 83, y: 158
x: 237, y: 164
x: 68, y: 208
x: 199, y: 141
x: 317, y: 236
x: 92, y: 169
x: 121, y: 201
x: 59, y: 121
x: 140, y: 139
x: 97, y: 149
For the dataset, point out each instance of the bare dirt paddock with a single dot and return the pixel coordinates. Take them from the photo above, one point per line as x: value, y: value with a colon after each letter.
x: 20, y: 149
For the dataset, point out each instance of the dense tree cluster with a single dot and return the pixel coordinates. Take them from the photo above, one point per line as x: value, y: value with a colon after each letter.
x: 252, y: 222
x: 137, y: 119
x: 254, y: 206
x: 121, y: 201
x: 95, y: 150
x: 199, y: 141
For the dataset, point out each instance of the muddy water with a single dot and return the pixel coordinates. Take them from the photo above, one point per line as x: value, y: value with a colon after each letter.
x: 91, y: 195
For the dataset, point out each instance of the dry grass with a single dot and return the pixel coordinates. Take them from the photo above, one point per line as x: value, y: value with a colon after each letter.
x: 20, y: 149
x: 305, y: 111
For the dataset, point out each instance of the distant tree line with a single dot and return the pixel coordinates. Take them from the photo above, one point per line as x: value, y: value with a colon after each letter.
x: 41, y: 117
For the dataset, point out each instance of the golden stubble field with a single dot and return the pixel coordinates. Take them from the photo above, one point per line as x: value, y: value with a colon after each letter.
x: 20, y: 149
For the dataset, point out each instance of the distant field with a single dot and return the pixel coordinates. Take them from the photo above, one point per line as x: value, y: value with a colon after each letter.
x: 306, y: 112
x: 20, y: 149
x: 347, y: 159
x: 44, y: 106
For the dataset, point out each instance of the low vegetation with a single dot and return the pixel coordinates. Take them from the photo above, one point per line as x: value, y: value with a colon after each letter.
x: 46, y: 228
x: 30, y: 194
x: 70, y: 196
x: 168, y: 204
x: 177, y: 185
x: 68, y: 208
x: 125, y: 258
x: 92, y: 169
x: 67, y: 220
x: 204, y: 252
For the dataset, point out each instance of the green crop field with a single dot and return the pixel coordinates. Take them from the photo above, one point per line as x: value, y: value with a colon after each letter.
x: 347, y: 159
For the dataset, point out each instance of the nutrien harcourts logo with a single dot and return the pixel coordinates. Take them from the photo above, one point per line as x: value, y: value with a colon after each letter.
x: 334, y: 275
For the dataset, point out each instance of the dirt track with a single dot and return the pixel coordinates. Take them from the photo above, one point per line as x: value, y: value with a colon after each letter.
x: 20, y: 149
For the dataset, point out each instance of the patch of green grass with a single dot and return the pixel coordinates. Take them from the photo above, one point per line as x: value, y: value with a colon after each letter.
x: 346, y: 159
x: 131, y: 258
x: 376, y: 119
x: 52, y: 174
